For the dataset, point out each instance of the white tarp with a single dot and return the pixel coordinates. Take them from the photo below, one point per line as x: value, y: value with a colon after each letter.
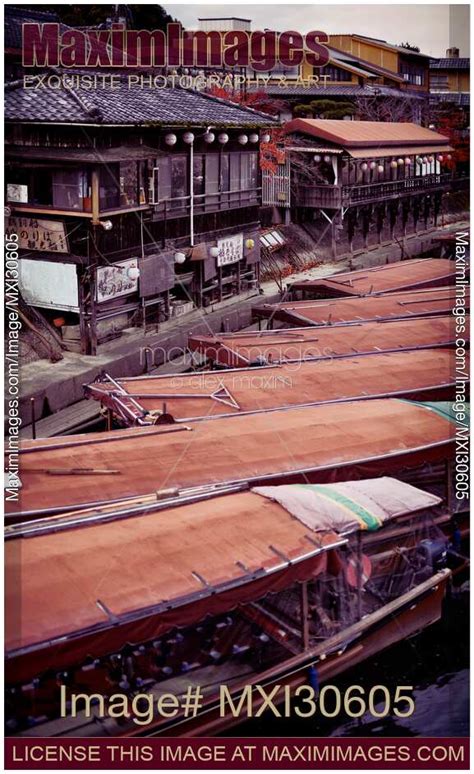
x: 349, y: 505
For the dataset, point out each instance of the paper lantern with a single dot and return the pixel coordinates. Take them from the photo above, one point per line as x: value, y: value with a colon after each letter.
x: 171, y: 139
x: 372, y: 165
x: 317, y: 158
x: 249, y: 244
x: 188, y: 138
x: 393, y: 164
x: 380, y: 168
x: 253, y: 138
x: 243, y: 139
x: 213, y: 252
x: 327, y: 159
x: 223, y: 138
x: 400, y: 162
x: 440, y: 158
x: 266, y: 138
x: 133, y: 272
x: 179, y: 257
x: 407, y: 161
x: 364, y: 167
x: 209, y: 137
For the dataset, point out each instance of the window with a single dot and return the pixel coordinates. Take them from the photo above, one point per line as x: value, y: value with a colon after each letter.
x: 109, y: 187
x: 64, y: 189
x: 413, y: 74
x: 332, y: 73
x: 439, y: 81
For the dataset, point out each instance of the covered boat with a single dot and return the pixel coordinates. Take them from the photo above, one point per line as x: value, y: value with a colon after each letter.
x: 145, y: 400
x: 238, y: 350
x: 394, y: 277
x: 389, y: 306
x: 136, y: 465
x: 286, y: 592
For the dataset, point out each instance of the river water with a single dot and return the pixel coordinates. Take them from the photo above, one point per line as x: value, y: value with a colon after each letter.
x: 435, y: 663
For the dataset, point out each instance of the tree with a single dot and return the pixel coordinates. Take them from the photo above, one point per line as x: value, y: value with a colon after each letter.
x: 325, y: 108
x: 401, y: 109
x: 409, y: 47
x: 139, y: 17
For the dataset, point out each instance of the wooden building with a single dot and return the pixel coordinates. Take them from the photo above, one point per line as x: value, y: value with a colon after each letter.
x: 361, y: 183
x: 131, y: 202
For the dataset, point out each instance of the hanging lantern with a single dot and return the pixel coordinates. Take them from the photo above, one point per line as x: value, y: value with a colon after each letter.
x: 372, y: 165
x: 209, y: 137
x: 179, y: 257
x: 393, y: 164
x: 327, y: 159
x: 133, y: 273
x: 425, y: 159
x: 223, y: 138
x: 419, y: 160
x: 380, y: 168
x: 400, y: 162
x: 317, y: 158
x: 449, y: 157
x: 407, y: 161
x: 431, y: 159
x: 253, y: 138
x: 440, y: 158
x: 171, y: 139
x: 213, y: 252
x: 265, y: 138
x: 243, y: 139
x: 188, y: 138
x: 249, y: 244
x: 364, y: 167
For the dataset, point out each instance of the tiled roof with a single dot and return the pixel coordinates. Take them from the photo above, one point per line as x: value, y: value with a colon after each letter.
x: 366, y: 134
x: 336, y: 91
x: 450, y: 64
x: 15, y: 17
x: 124, y: 105
x: 457, y: 98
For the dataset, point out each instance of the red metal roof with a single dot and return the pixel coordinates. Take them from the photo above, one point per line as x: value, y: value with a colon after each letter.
x: 403, y: 275
x: 414, y: 303
x: 366, y: 134
x: 420, y: 374
x: 339, y: 441
x: 281, y: 345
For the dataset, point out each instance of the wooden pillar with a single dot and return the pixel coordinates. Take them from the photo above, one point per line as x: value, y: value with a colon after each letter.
x: 93, y: 312
x: 95, y: 192
x: 304, y: 616
x: 84, y: 333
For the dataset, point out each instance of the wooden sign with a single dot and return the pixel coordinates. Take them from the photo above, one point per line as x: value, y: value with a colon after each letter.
x: 45, y: 235
x: 231, y: 249
x: 114, y: 280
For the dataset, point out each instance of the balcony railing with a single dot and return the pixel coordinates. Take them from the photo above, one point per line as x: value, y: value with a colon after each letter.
x: 208, y: 202
x: 334, y: 196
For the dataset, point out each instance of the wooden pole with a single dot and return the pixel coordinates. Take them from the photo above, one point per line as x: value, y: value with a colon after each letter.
x: 359, y: 575
x: 304, y: 616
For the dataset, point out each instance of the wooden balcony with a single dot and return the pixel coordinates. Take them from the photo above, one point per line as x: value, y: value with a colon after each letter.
x: 334, y: 197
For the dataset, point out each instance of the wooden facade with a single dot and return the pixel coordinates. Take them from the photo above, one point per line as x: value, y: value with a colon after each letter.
x: 153, y: 221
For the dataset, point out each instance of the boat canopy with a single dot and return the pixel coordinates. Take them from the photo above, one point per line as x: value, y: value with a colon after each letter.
x: 134, y: 579
x: 388, y: 306
x: 398, y: 276
x: 344, y: 440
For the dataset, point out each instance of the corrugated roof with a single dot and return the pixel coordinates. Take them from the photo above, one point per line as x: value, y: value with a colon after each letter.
x: 124, y: 105
x: 396, y: 150
x: 366, y: 133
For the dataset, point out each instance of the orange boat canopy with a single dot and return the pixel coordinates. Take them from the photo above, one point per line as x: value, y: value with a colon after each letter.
x: 237, y: 350
x: 389, y: 306
x: 403, y: 275
x: 341, y: 441
x: 141, y: 400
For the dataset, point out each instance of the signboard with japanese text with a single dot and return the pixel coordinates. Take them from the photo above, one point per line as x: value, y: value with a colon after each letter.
x: 231, y: 249
x: 45, y: 235
x: 117, y: 279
